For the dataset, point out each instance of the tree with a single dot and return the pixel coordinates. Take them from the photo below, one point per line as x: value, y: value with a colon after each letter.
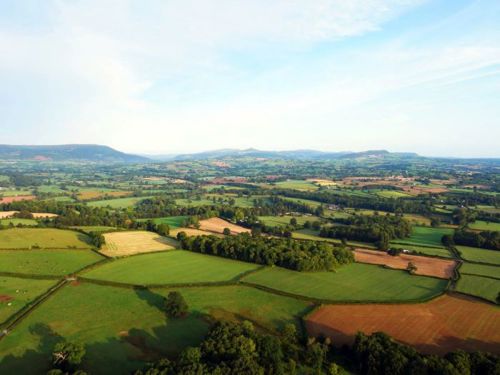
x: 226, y: 231
x: 67, y: 355
x: 293, y: 221
x: 411, y: 268
x: 175, y: 305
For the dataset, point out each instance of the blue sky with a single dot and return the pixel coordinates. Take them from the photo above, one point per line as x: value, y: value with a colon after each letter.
x: 162, y: 76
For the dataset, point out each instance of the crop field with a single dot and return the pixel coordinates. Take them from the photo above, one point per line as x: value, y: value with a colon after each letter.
x: 193, y: 232
x: 123, y: 328
x: 217, y: 225
x: 171, y: 267
x: 7, y: 222
x: 426, y: 266
x: 425, y: 236
x: 6, y: 214
x: 17, y: 198
x: 275, y: 221
x: 171, y: 221
x: 26, y: 238
x: 54, y: 262
x: 480, y: 270
x: 475, y: 254
x: 135, y: 242
x: 485, y: 225
x: 15, y: 293
x: 117, y: 203
x: 353, y: 282
x: 444, y: 324
x: 479, y: 286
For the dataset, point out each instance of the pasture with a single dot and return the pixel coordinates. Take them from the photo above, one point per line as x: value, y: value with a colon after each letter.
x: 14, y: 222
x: 172, y: 267
x: 117, y: 203
x: 301, y: 185
x: 442, y: 325
x: 15, y: 293
x: 218, y: 225
x: 354, y: 282
x: 427, y: 250
x: 171, y: 221
x: 53, y: 262
x: 475, y: 254
x: 135, y: 242
x: 425, y: 236
x: 193, y: 232
x: 480, y: 270
x: 426, y: 266
x: 48, y: 238
x: 275, y: 221
x: 484, y: 225
x: 479, y: 286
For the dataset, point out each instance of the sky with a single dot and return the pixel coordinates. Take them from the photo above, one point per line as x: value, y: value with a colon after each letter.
x: 171, y: 76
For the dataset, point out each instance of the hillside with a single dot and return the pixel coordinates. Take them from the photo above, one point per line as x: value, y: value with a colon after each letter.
x: 96, y: 153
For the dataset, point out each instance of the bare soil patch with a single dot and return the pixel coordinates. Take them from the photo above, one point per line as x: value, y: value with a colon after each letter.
x: 445, y: 324
x: 217, y: 225
x: 135, y: 242
x: 426, y: 266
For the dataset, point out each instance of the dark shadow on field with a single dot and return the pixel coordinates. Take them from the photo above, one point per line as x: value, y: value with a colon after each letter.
x: 32, y: 361
x: 84, y: 238
x: 153, y: 299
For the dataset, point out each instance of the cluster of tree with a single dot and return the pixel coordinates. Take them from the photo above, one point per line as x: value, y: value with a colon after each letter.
x: 66, y: 358
x: 377, y: 229
x: 231, y: 348
x: 97, y: 239
x: 470, y: 199
x: 283, y: 252
x: 162, y: 229
x: 175, y: 305
x: 485, y: 239
x: 379, y: 354
x: 421, y: 205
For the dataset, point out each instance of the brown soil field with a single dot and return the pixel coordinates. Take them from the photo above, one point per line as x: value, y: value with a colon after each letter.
x: 217, y: 225
x: 36, y: 215
x: 426, y: 266
x: 6, y: 214
x: 135, y: 242
x: 447, y: 323
x: 17, y: 198
x: 84, y: 195
x: 193, y: 232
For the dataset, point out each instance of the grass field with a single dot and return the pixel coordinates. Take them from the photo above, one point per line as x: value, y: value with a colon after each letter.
x: 15, y: 293
x: 94, y: 228
x: 117, y: 203
x: 7, y: 222
x: 193, y: 202
x: 484, y: 287
x: 170, y: 268
x: 480, y: 270
x: 433, y: 251
x: 135, y: 242
x: 301, y: 185
x: 309, y: 234
x: 46, y: 262
x: 425, y: 236
x: 392, y: 194
x: 25, y: 238
x: 172, y: 221
x: 485, y: 225
x: 274, y: 221
x: 475, y: 254
x: 442, y: 325
x: 354, y: 282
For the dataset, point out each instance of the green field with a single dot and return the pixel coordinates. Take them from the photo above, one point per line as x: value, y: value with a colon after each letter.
x: 94, y: 228
x: 425, y: 236
x: 14, y: 192
x: 46, y: 262
x: 25, y: 238
x: 117, y: 202
x: 484, y: 225
x: 131, y: 326
x: 480, y: 270
x: 275, y: 221
x: 392, y: 194
x: 484, y: 287
x: 171, y: 267
x: 193, y: 202
x: 433, y: 251
x: 354, y: 282
x: 22, y: 291
x: 475, y: 254
x: 313, y: 235
x: 296, y: 185
x: 172, y: 221
x: 7, y: 222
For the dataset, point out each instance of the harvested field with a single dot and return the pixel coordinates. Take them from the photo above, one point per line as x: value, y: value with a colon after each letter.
x: 193, y: 232
x: 135, y: 242
x: 447, y: 323
x: 36, y: 215
x: 86, y: 195
x: 17, y: 198
x: 6, y: 214
x: 426, y: 266
x: 217, y: 225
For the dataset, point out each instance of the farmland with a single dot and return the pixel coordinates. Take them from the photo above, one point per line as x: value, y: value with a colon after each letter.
x: 135, y: 242
x: 355, y: 282
x: 116, y: 203
x: 218, y: 225
x: 174, y: 267
x: 424, y: 236
x: 442, y: 325
x: 484, y: 287
x: 475, y: 254
x: 46, y: 238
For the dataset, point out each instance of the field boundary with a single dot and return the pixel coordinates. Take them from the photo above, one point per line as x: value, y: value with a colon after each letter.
x: 30, y: 276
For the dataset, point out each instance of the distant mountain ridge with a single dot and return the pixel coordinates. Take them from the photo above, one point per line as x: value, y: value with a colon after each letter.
x: 83, y: 152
